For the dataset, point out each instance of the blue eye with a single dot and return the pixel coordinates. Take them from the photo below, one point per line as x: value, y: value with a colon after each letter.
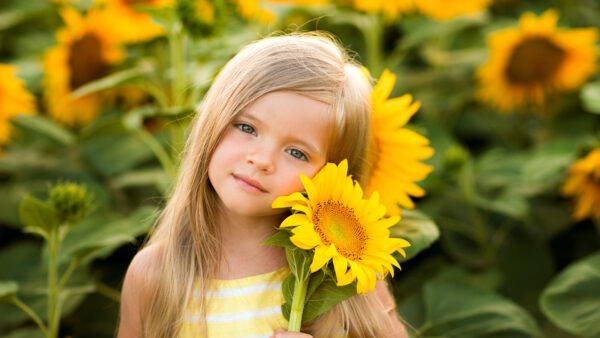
x: 298, y: 154
x: 246, y: 128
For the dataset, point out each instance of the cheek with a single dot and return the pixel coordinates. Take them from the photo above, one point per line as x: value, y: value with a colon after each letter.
x: 221, y: 158
x: 292, y: 183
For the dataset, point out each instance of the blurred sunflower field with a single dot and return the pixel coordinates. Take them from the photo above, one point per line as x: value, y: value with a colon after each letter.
x: 487, y: 134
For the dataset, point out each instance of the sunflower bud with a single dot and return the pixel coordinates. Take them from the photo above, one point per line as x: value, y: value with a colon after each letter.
x: 70, y: 201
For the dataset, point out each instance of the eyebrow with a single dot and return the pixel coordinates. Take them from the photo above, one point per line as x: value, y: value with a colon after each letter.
x: 310, y: 147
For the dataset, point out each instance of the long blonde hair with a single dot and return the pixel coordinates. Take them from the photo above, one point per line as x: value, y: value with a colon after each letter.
x: 310, y: 64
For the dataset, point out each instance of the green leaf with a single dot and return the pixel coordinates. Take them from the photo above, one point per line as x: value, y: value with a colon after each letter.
x: 287, y: 287
x: 316, y: 279
x: 8, y: 289
x: 321, y: 295
x: 46, y: 127
x: 572, y: 299
x: 326, y: 295
x: 110, y: 81
x: 508, y: 202
x: 115, y: 153
x: 99, y: 234
x: 281, y: 238
x: 416, y: 228
x: 134, y: 119
x: 299, y: 261
x: 590, y: 96
x: 25, y: 333
x: 545, y: 166
x: 155, y: 177
x: 37, y: 216
x: 11, y: 18
x: 457, y: 310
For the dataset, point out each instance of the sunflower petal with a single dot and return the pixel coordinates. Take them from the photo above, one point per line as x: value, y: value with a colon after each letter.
x: 294, y: 220
x: 289, y: 201
x: 340, y: 265
x: 310, y: 188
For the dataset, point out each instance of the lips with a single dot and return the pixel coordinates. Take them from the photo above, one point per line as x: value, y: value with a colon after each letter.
x: 249, y: 181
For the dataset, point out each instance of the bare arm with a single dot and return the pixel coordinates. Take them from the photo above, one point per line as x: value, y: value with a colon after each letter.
x: 395, y: 328
x: 136, y: 292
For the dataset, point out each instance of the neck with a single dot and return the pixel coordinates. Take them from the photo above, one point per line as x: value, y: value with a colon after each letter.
x: 242, y: 252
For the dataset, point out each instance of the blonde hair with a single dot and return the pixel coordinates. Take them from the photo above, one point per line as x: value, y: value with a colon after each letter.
x: 310, y: 64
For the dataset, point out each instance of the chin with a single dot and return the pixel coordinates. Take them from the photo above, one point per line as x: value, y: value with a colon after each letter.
x: 245, y: 207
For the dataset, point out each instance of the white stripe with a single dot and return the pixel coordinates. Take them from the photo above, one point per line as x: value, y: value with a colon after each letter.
x: 238, y: 292
x: 237, y: 316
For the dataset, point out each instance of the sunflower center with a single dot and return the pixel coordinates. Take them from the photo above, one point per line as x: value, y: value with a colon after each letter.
x: 594, y: 178
x: 336, y: 223
x: 85, y: 60
x: 534, y: 60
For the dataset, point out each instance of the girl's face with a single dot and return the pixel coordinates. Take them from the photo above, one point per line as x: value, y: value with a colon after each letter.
x: 265, y: 149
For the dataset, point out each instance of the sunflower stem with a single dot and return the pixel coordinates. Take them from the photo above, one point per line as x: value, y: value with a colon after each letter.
x: 300, y: 287
x: 53, y: 315
x: 373, y: 33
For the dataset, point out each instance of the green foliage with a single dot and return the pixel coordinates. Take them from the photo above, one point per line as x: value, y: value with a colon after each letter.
x: 572, y: 299
x: 453, y: 308
x: 416, y: 228
x: 8, y: 289
x: 488, y: 236
x: 322, y: 294
x: 38, y: 217
x: 590, y: 96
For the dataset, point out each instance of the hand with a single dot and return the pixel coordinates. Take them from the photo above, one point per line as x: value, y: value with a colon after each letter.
x: 281, y: 333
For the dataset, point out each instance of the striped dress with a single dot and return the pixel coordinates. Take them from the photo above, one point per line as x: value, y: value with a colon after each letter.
x: 248, y: 307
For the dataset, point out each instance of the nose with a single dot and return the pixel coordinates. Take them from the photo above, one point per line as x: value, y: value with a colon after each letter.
x: 262, y: 159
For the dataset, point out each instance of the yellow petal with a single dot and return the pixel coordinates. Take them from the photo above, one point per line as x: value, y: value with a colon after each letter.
x: 362, y: 285
x: 322, y: 255
x: 294, y: 220
x: 302, y: 208
x: 305, y: 239
x: 288, y: 201
x: 310, y: 190
x: 340, y: 265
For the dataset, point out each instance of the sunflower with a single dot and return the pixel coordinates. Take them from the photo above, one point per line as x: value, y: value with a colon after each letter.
x: 446, y: 10
x: 130, y: 24
x: 390, y: 8
x: 252, y: 10
x: 584, y: 185
x: 86, y: 48
x: 395, y: 151
x: 14, y: 99
x: 341, y: 226
x: 528, y: 62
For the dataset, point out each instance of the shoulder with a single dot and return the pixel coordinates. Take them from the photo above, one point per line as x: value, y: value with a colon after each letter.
x: 140, y: 280
x: 143, y: 269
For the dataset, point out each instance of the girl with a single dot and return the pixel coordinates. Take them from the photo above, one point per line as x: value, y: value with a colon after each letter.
x: 283, y: 106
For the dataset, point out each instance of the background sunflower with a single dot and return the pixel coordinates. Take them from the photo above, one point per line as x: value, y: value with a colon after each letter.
x: 535, y: 59
x: 131, y: 24
x: 446, y: 10
x: 14, y: 99
x: 395, y: 151
x: 87, y: 47
x: 583, y: 184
